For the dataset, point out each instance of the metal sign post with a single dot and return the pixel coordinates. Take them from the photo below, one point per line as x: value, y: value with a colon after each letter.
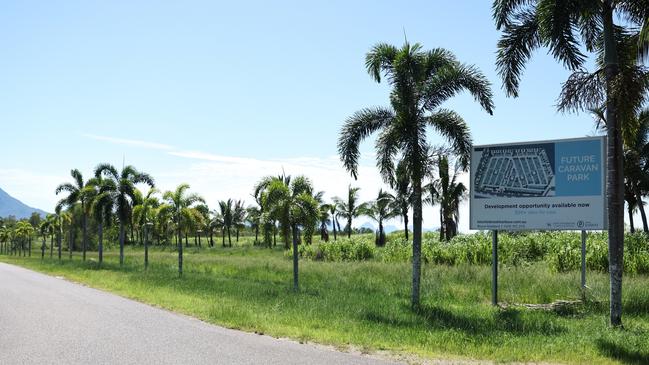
x: 583, y: 261
x: 494, y: 268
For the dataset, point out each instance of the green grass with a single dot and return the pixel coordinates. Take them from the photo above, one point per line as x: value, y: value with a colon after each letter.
x: 366, y: 304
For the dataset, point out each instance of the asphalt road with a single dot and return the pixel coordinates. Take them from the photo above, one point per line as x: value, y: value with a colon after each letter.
x: 46, y: 320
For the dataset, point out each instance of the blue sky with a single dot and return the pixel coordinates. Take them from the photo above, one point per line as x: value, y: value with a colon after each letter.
x: 220, y: 94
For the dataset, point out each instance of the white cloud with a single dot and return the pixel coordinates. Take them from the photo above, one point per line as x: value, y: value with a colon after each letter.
x: 32, y: 188
x: 130, y: 142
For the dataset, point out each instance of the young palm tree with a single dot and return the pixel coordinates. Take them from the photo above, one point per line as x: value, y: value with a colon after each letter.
x: 143, y: 216
x: 333, y: 213
x: 238, y: 217
x: 350, y: 208
x: 421, y: 81
x: 448, y: 193
x: 566, y: 28
x: 402, y: 194
x: 296, y: 206
x: 227, y: 219
x: 80, y: 193
x: 253, y: 217
x: 124, y: 195
x: 181, y: 205
x: 380, y: 210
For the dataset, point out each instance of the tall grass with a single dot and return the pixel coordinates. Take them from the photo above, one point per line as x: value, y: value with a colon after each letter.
x: 365, y: 304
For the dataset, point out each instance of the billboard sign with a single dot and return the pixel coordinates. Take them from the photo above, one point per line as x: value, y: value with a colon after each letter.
x: 544, y: 185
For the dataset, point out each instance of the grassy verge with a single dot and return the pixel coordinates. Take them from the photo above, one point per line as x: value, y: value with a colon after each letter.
x: 366, y: 304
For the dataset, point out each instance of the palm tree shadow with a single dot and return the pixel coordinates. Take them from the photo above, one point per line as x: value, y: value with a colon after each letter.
x: 621, y: 353
x: 504, y: 321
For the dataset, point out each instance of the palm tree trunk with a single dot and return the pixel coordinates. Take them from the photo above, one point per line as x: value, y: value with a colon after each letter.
x: 71, y: 243
x: 59, y: 239
x: 334, y: 224
x: 85, y: 230
x: 223, y: 237
x: 180, y: 253
x: 237, y: 234
x: 100, y: 240
x: 256, y: 232
x: 641, y: 208
x: 349, y: 226
x: 29, y: 247
x: 381, y: 241
x: 295, y: 268
x: 416, y: 241
x: 630, y: 210
x: 51, y: 246
x: 441, y: 223
x: 43, y: 247
x: 616, y: 174
x: 405, y: 222
x: 122, y: 237
x: 229, y: 238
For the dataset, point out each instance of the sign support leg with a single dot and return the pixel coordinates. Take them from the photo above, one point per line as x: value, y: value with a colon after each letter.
x: 494, y: 268
x: 583, y: 261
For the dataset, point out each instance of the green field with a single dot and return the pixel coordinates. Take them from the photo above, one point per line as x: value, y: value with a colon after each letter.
x: 365, y: 305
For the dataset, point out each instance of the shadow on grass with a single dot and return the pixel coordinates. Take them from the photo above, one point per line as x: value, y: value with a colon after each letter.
x: 622, y: 353
x: 510, y: 321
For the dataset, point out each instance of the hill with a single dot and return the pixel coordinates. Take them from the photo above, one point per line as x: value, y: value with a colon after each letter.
x: 12, y: 206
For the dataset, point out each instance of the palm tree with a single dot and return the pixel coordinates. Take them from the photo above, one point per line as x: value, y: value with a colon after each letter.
x: 48, y: 226
x: 421, y: 81
x: 333, y: 212
x: 296, y: 206
x: 380, y: 210
x: 103, y: 204
x: 402, y: 194
x: 78, y: 192
x: 4, y: 239
x: 567, y: 28
x: 636, y: 165
x: 238, y: 217
x: 227, y: 219
x: 350, y: 208
x: 22, y: 233
x: 181, y: 204
x: 143, y: 215
x: 253, y: 217
x: 448, y: 193
x: 325, y: 220
x: 124, y: 194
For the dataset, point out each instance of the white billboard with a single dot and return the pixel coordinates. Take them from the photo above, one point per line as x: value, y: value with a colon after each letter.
x: 542, y: 185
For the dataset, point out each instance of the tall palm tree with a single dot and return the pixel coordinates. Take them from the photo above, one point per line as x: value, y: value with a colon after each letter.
x: 566, y: 28
x: 181, y: 204
x: 421, y: 81
x: 636, y: 164
x: 350, y: 208
x: 379, y: 211
x: 124, y: 194
x: 143, y: 216
x: 78, y: 193
x: 448, y: 193
x: 22, y: 233
x: 103, y: 204
x: 296, y: 206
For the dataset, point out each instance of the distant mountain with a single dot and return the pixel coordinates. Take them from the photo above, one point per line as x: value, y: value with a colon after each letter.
x: 12, y: 206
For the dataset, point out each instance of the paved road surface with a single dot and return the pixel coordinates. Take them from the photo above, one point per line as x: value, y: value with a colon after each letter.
x: 45, y: 320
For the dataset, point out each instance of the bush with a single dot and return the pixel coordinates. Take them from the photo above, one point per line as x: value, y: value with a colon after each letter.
x: 354, y: 249
x: 561, y: 250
